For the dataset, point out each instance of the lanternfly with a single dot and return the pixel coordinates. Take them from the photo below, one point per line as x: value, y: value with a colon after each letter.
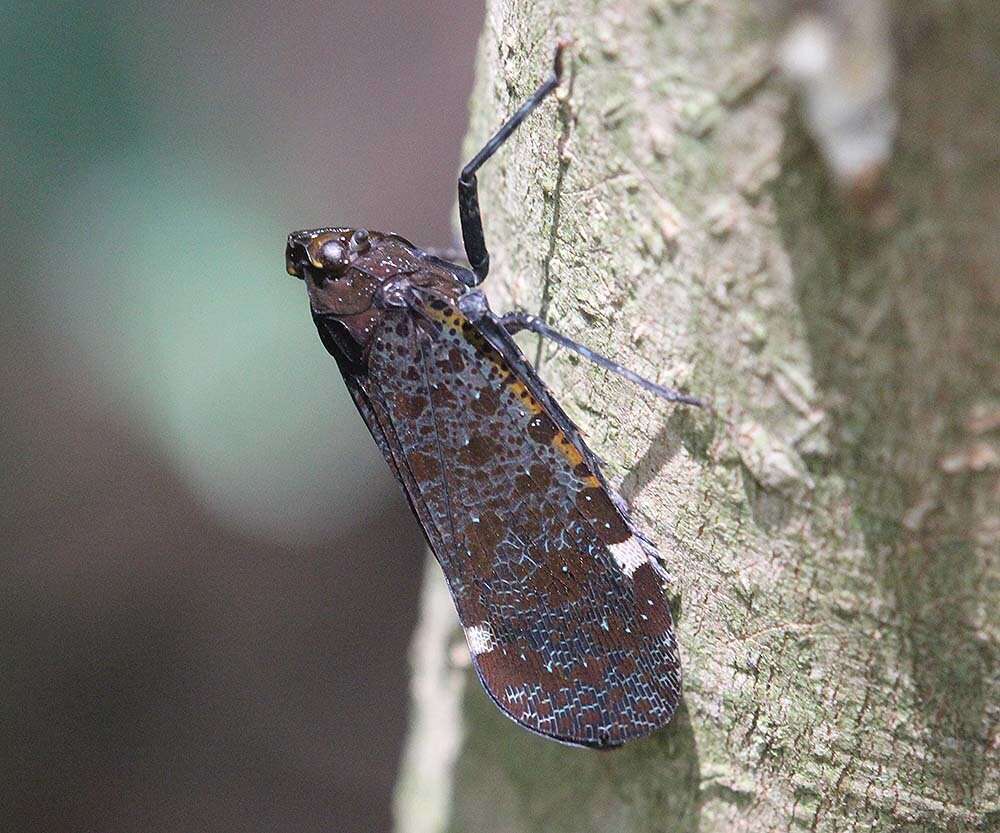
x: 560, y: 595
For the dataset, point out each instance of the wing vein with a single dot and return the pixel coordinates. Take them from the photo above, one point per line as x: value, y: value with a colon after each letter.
x: 437, y: 437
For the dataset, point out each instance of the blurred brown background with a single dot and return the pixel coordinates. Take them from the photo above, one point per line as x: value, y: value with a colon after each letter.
x: 208, y: 576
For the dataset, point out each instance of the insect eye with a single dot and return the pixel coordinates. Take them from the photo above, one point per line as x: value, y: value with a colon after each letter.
x: 330, y: 257
x: 360, y: 241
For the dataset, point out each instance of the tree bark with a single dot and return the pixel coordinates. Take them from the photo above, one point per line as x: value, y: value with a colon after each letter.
x: 833, y: 530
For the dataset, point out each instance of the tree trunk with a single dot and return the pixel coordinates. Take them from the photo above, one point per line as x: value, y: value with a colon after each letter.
x: 833, y: 531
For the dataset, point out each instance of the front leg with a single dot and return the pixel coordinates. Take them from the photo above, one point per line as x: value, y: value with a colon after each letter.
x: 468, y: 188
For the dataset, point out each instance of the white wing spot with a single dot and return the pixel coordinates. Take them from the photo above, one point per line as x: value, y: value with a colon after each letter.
x: 628, y: 555
x: 480, y: 638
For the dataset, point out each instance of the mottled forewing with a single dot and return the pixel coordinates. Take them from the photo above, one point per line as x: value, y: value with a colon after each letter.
x: 388, y: 443
x: 562, y: 605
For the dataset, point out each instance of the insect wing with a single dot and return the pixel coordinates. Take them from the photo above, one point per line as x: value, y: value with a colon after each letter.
x: 562, y: 604
x: 378, y: 424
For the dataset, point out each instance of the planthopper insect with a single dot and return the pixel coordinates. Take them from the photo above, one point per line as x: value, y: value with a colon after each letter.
x: 560, y: 595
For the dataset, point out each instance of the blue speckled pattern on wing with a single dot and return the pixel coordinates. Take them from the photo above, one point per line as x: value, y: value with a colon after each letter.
x: 562, y: 604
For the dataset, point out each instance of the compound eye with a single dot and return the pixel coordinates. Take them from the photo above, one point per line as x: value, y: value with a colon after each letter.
x: 328, y: 255
x: 360, y: 241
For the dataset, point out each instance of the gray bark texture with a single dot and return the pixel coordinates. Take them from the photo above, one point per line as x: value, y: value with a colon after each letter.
x: 832, y: 531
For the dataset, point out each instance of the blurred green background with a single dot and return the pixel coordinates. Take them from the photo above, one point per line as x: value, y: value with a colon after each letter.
x: 209, y: 577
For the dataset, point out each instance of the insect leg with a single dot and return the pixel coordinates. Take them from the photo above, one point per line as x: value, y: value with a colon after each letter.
x: 468, y: 189
x: 514, y: 322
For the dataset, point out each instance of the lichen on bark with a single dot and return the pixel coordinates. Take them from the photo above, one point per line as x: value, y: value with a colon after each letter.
x: 833, y: 530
